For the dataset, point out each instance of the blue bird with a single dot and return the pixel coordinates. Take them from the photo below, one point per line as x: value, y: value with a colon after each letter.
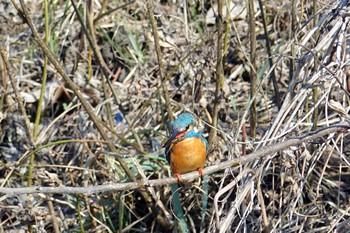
x: 186, y: 149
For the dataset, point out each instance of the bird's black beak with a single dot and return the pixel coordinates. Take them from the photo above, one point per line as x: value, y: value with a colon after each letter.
x: 172, y: 136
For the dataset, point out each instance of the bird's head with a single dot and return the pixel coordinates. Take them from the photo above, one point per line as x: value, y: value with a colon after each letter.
x: 180, y: 126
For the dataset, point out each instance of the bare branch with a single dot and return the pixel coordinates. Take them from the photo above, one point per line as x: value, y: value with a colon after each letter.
x: 268, y: 150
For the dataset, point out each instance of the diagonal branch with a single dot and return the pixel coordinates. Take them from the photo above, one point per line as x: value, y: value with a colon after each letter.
x: 268, y: 150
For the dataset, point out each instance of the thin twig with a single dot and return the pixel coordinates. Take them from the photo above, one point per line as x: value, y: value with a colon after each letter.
x: 269, y: 54
x: 219, y: 73
x: 17, y: 94
x: 100, y: 16
x: 252, y: 74
x: 160, y: 58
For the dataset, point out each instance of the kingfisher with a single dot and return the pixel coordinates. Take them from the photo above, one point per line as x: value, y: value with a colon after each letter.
x: 186, y: 149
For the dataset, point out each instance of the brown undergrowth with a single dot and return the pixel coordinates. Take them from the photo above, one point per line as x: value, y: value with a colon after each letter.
x: 108, y: 57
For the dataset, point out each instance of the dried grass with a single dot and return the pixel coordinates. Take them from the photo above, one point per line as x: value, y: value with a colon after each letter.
x: 299, y: 189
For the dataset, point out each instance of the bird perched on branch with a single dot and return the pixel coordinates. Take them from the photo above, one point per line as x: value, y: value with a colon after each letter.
x: 186, y: 149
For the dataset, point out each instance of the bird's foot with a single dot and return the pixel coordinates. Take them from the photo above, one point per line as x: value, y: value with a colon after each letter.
x: 178, y: 176
x: 200, y: 170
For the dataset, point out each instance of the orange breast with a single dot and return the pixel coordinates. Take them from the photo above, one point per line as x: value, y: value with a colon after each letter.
x: 187, y: 155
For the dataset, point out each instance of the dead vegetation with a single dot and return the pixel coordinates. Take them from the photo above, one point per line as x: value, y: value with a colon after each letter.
x: 109, y: 93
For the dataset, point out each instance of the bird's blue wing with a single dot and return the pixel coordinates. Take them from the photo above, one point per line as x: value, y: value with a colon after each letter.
x: 167, y: 153
x: 167, y: 145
